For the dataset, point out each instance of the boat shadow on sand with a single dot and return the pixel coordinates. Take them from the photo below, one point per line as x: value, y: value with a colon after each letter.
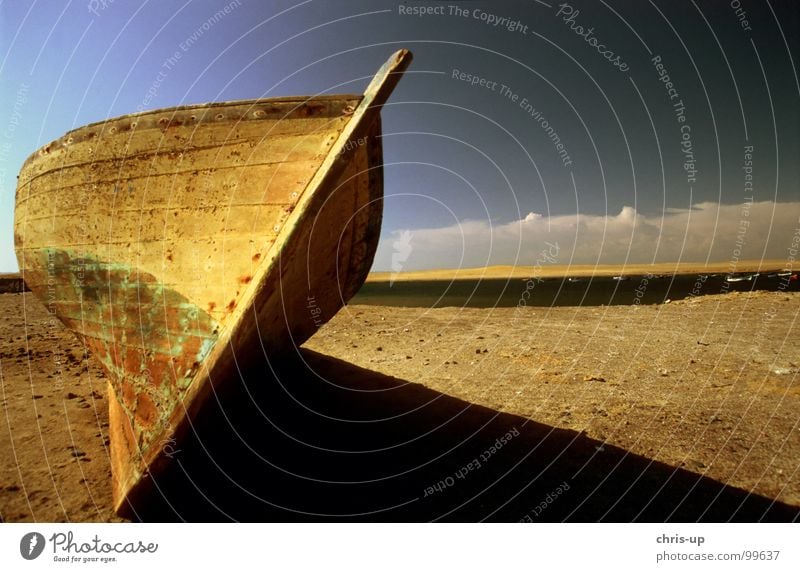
x: 322, y: 439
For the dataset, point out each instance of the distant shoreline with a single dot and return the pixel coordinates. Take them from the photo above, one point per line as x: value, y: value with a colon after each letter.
x: 557, y: 271
x: 581, y: 271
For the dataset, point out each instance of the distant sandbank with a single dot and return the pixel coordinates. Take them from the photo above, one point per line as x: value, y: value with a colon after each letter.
x: 581, y: 270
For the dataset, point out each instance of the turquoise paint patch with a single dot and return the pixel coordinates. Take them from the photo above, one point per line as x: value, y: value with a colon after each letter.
x: 119, y: 297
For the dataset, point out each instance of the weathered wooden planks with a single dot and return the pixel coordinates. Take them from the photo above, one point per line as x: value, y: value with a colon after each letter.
x: 182, y: 242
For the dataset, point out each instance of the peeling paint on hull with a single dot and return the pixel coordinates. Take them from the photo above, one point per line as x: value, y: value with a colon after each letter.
x: 149, y: 338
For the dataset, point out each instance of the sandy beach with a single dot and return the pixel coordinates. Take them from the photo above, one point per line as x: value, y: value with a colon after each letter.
x: 683, y: 411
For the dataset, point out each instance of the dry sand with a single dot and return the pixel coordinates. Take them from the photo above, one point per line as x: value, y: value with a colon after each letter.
x: 709, y: 383
x: 681, y: 411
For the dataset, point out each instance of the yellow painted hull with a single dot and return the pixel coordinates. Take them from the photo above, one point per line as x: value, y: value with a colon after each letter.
x: 180, y: 242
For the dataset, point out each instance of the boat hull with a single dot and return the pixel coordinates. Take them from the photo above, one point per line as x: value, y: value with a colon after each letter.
x: 181, y: 243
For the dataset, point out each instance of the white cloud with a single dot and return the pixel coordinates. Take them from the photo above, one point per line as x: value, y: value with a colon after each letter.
x: 705, y: 231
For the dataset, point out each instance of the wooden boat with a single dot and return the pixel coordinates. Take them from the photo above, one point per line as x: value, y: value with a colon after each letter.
x: 180, y: 242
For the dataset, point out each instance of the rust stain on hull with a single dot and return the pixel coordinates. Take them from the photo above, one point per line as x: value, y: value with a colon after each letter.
x: 178, y: 242
x: 149, y: 337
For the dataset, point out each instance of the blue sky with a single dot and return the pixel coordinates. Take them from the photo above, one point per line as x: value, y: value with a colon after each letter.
x: 465, y: 159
